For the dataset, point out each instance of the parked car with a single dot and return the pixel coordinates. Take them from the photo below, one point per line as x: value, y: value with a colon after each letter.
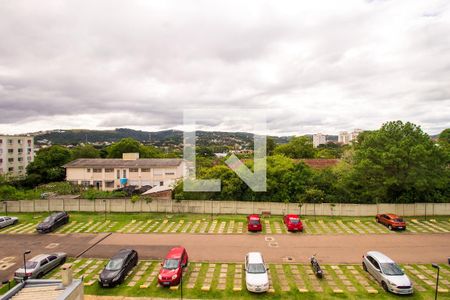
x: 293, y: 222
x: 256, y: 277
x: 53, y: 221
x: 387, y: 273
x: 118, y: 268
x: 172, y: 267
x: 7, y: 221
x: 254, y: 223
x: 39, y: 265
x: 391, y: 221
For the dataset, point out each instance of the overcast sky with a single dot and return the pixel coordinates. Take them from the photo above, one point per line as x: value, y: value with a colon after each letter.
x: 313, y: 66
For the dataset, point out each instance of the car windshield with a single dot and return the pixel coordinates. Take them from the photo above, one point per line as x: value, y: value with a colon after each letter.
x: 398, y: 220
x: 31, y: 264
x: 114, y: 264
x: 294, y: 220
x: 391, y: 269
x: 256, y: 268
x: 48, y: 219
x: 170, y: 264
x: 254, y: 222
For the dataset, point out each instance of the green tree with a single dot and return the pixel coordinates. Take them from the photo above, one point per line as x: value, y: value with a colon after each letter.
x: 129, y: 145
x: 47, y: 165
x: 398, y: 163
x: 87, y: 151
x: 270, y: 145
x: 297, y: 147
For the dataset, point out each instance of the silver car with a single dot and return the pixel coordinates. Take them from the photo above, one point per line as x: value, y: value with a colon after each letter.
x: 6, y: 221
x: 39, y: 265
x: 387, y: 273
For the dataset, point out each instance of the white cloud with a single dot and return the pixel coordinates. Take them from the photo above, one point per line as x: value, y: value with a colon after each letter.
x: 323, y: 66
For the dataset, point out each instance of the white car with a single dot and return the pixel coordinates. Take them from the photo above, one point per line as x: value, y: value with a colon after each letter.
x: 6, y: 221
x: 256, y: 277
x: 387, y: 273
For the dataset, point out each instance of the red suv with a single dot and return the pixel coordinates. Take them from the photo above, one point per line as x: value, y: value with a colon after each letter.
x: 293, y: 223
x: 172, y: 267
x: 391, y: 221
x: 254, y: 223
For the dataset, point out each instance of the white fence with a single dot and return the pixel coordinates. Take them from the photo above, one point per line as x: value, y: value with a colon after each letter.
x: 224, y: 207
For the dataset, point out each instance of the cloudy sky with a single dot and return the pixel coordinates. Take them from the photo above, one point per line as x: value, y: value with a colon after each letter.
x: 312, y: 66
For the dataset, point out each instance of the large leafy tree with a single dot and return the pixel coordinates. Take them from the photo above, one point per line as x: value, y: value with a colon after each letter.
x: 87, y: 151
x: 398, y: 163
x: 47, y: 165
x: 297, y: 147
x: 129, y: 145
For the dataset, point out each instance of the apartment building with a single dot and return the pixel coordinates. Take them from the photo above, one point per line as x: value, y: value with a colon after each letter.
x: 109, y: 174
x: 16, y: 152
x: 319, y: 139
x: 346, y: 137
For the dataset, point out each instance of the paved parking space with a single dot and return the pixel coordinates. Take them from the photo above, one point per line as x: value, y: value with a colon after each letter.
x: 285, y: 278
x: 207, y: 226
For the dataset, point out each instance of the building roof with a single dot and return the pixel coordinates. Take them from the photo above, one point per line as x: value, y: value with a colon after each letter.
x: 158, y: 189
x: 41, y: 289
x: 120, y: 163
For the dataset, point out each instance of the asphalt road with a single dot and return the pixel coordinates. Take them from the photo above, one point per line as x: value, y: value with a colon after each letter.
x: 335, y: 249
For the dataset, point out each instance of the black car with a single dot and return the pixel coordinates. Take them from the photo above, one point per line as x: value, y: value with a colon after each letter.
x: 118, y: 267
x: 53, y: 221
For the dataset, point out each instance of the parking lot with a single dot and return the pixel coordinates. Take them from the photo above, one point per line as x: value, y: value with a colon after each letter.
x: 223, y: 280
x: 223, y: 225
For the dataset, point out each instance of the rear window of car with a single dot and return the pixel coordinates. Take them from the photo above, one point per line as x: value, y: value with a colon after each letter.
x: 31, y: 264
x: 398, y: 220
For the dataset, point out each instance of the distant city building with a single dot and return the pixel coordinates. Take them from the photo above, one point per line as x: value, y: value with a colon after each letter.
x: 319, y: 139
x: 109, y: 174
x: 346, y: 138
x: 16, y: 152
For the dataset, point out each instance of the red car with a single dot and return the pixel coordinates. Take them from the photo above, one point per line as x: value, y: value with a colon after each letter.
x: 391, y: 221
x: 254, y: 223
x: 172, y: 267
x: 293, y: 223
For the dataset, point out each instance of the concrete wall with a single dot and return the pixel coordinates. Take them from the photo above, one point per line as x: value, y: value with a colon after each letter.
x: 224, y: 207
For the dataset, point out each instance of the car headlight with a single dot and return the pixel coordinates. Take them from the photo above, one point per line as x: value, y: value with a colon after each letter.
x: 174, y: 277
x: 160, y: 277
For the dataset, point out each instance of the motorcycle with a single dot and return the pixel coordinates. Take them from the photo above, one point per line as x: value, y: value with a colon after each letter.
x: 316, y: 267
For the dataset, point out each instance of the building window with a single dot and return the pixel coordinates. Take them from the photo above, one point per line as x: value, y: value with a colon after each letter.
x: 134, y: 170
x: 73, y: 182
x: 19, y: 142
x: 20, y: 159
x: 124, y: 172
x: 118, y: 174
x: 1, y: 141
x: 20, y: 168
x: 97, y: 170
x: 29, y: 158
x: 85, y: 183
x: 170, y: 173
x: 20, y: 150
x: 145, y: 170
x: 29, y: 151
x: 10, y: 160
x: 161, y: 183
x: 109, y: 184
x: 11, y: 169
x: 109, y: 170
x: 10, y: 151
x: 1, y: 160
x: 88, y: 170
x: 10, y: 142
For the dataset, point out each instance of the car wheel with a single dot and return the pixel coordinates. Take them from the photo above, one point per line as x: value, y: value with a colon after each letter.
x: 384, y: 286
x: 63, y: 261
x: 15, y: 222
x: 390, y: 227
x: 364, y: 267
x: 378, y: 220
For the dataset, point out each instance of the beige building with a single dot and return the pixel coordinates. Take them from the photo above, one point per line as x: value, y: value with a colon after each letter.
x: 111, y: 173
x: 346, y: 137
x: 16, y: 152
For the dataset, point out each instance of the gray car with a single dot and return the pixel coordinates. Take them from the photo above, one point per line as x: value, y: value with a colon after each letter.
x: 7, y: 221
x: 387, y: 273
x: 39, y: 265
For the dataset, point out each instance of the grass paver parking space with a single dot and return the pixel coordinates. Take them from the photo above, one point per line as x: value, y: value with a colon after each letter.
x: 219, y: 224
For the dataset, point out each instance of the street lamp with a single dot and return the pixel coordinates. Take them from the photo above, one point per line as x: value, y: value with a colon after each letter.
x: 436, y: 266
x: 25, y: 264
x: 6, y: 207
x: 104, y: 201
